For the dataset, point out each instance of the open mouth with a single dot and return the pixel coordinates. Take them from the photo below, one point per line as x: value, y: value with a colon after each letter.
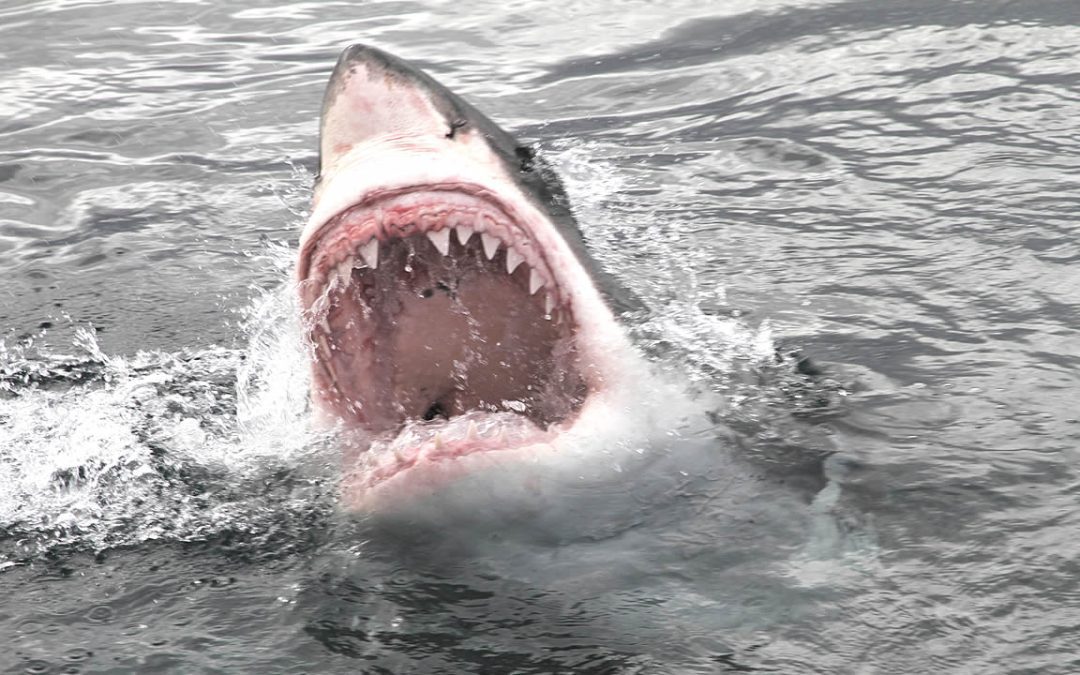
x: 433, y: 312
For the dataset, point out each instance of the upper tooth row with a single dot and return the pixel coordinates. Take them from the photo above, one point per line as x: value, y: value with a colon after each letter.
x: 369, y: 252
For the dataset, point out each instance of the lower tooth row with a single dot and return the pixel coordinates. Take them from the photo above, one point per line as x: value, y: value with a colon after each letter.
x: 472, y: 434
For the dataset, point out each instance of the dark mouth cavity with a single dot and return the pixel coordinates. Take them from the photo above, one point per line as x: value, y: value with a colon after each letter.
x: 439, y: 328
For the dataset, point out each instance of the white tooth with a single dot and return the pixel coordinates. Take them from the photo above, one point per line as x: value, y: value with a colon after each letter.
x: 438, y: 441
x: 535, y: 282
x: 325, y: 346
x: 344, y: 272
x: 472, y: 432
x: 325, y: 324
x: 464, y: 234
x: 441, y: 239
x: 513, y: 259
x: 491, y: 244
x: 370, y: 253
x: 549, y: 303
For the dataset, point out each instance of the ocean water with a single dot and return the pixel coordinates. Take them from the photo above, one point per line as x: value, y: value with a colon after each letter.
x: 890, y: 189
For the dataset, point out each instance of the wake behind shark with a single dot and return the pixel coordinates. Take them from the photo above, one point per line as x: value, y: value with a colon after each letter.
x: 452, y: 308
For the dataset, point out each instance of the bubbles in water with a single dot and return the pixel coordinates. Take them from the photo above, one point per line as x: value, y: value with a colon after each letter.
x: 99, y: 451
x: 685, y: 317
x: 272, y: 378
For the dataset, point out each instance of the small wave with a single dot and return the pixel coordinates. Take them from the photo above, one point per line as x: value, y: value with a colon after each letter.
x: 100, y: 451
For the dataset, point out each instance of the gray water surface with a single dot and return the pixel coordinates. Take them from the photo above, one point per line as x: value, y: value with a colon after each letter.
x: 890, y: 188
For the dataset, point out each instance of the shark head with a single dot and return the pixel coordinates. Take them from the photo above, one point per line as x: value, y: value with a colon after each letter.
x: 449, y: 300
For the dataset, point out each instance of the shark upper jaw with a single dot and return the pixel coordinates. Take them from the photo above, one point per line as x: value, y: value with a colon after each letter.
x: 447, y: 316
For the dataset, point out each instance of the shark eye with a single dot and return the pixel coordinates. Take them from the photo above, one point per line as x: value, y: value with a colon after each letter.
x: 454, y: 126
x: 526, y: 158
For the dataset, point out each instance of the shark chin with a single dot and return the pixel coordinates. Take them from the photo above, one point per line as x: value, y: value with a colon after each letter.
x: 454, y: 316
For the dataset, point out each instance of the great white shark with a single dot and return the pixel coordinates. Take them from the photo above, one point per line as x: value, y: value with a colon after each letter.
x: 452, y: 309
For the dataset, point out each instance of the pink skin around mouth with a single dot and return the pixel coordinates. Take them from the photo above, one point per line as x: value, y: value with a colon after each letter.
x: 436, y: 298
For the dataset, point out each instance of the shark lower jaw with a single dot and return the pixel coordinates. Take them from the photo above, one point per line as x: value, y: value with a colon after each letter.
x: 443, y: 325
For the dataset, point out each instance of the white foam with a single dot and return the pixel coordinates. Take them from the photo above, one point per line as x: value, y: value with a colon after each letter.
x: 102, y: 450
x: 99, y: 450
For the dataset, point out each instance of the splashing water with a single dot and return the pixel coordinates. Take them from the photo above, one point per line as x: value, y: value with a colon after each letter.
x: 100, y: 451
x: 684, y: 316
